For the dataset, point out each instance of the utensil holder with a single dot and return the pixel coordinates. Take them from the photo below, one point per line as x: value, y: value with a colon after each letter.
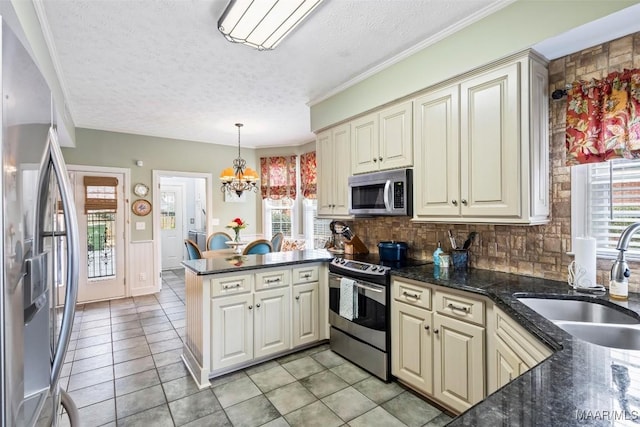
x: 460, y: 258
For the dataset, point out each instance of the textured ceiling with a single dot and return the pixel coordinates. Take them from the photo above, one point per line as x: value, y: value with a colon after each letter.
x: 161, y: 68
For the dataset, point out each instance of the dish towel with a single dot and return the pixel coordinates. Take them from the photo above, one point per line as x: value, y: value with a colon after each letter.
x: 348, y: 298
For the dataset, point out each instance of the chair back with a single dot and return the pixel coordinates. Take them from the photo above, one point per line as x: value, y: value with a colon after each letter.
x: 260, y: 246
x: 216, y: 241
x: 192, y: 249
x: 276, y: 242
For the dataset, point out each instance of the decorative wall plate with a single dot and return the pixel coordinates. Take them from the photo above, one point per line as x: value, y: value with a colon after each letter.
x: 141, y: 207
x: 140, y: 190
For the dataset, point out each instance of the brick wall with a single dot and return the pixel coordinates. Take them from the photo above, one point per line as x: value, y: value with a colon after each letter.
x: 536, y: 250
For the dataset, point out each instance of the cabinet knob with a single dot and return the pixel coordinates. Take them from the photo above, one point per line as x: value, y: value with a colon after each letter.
x: 435, y: 331
x: 426, y: 327
x: 454, y: 202
x: 298, y: 297
x: 380, y: 158
x: 258, y: 305
x: 250, y: 307
x: 375, y: 160
x: 464, y: 202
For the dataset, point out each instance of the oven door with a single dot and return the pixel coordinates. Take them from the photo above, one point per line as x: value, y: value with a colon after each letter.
x: 370, y: 322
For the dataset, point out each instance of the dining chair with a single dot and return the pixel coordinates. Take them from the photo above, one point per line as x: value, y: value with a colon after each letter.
x: 217, y: 241
x: 192, y: 249
x: 260, y: 246
x: 276, y: 241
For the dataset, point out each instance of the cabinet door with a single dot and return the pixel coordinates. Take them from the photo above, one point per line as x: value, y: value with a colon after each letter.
x: 305, y: 314
x: 272, y: 315
x: 411, y: 345
x: 437, y: 153
x: 505, y: 365
x: 396, y: 142
x: 231, y: 330
x: 458, y: 362
x: 490, y: 144
x: 364, y: 144
x: 324, y: 153
x: 342, y: 169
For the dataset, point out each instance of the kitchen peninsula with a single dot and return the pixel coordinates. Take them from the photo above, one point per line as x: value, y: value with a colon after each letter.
x: 245, y: 309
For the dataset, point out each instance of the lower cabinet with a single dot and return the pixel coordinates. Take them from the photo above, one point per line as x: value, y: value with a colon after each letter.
x: 305, y: 314
x: 232, y: 330
x: 271, y: 321
x: 458, y: 362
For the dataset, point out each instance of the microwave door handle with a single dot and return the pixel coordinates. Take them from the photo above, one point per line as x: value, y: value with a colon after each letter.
x: 73, y: 246
x: 387, y: 203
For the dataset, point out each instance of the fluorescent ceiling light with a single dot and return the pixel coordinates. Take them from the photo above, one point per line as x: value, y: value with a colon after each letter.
x: 263, y: 24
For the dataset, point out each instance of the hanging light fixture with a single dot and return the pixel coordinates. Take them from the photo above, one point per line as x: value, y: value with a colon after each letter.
x: 239, y: 178
x: 265, y: 23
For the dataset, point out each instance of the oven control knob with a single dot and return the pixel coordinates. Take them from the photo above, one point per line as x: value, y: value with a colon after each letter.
x: 374, y: 268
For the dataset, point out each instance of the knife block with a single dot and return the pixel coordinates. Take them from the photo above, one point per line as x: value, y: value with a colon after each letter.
x: 355, y: 246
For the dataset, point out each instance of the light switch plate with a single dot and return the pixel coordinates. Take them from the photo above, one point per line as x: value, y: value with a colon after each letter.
x: 140, y: 225
x: 215, y: 221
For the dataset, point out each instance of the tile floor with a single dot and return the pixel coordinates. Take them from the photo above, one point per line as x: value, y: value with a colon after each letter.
x: 123, y: 368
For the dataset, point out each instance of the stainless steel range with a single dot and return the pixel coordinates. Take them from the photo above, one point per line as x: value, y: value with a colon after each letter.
x: 360, y: 325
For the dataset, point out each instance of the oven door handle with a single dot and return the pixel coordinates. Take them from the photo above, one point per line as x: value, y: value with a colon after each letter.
x: 368, y: 288
x: 386, y: 195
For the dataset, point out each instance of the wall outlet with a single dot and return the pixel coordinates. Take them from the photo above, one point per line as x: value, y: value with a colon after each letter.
x: 192, y: 220
x: 140, y: 225
x: 142, y: 277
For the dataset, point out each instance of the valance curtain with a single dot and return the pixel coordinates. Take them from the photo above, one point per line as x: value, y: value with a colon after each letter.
x: 308, y: 175
x: 100, y: 194
x: 603, y: 119
x: 278, y: 177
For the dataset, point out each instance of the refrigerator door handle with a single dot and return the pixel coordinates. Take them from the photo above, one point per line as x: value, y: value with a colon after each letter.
x: 53, y: 160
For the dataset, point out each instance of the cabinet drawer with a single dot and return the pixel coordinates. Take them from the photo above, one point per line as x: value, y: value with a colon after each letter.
x: 463, y: 307
x: 231, y: 285
x: 305, y: 274
x: 412, y: 293
x: 273, y: 279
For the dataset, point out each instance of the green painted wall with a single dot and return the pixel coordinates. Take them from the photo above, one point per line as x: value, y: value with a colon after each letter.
x: 112, y: 149
x: 512, y: 29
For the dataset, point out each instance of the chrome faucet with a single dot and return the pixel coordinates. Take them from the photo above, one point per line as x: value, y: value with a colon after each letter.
x: 620, y: 270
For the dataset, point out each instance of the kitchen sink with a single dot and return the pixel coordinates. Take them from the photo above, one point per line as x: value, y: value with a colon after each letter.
x: 609, y: 335
x: 577, y: 311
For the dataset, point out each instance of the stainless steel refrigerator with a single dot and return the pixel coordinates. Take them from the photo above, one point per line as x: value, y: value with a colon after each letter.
x: 39, y: 247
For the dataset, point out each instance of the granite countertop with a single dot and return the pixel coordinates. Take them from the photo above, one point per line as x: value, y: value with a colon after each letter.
x: 580, y: 384
x: 238, y: 263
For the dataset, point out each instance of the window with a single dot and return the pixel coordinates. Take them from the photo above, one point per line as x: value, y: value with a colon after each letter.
x: 605, y: 200
x: 279, y: 217
x: 316, y: 229
x: 101, y: 205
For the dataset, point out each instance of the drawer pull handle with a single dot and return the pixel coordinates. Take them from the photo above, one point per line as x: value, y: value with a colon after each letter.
x: 407, y: 294
x: 235, y: 285
x: 272, y: 280
x: 306, y: 276
x: 455, y: 307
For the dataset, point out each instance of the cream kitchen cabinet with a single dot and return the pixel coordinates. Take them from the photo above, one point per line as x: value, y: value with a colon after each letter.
x: 249, y: 326
x: 438, y: 342
x: 305, y: 310
x: 333, y: 171
x: 481, y: 146
x: 511, y: 350
x: 382, y: 140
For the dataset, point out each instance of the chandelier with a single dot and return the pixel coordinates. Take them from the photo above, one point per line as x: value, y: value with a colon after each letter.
x: 239, y: 178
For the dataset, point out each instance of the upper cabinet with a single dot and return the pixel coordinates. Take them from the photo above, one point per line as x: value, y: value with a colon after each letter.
x: 382, y: 140
x: 333, y: 170
x: 481, y: 145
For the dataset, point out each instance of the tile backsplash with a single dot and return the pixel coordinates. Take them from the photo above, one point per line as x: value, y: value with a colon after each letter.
x: 541, y: 250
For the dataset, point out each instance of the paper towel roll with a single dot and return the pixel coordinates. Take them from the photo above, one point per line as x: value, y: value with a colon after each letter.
x: 585, y: 257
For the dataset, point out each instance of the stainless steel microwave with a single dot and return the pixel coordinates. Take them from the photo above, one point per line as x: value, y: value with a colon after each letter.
x: 382, y: 193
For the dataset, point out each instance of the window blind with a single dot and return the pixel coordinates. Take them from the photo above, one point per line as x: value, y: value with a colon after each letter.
x: 613, y: 202
x: 100, y: 194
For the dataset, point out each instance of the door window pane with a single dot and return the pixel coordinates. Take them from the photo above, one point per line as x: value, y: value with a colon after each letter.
x: 168, y: 210
x: 101, y: 229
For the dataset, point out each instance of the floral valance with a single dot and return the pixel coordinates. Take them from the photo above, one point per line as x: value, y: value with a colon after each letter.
x: 278, y: 177
x: 308, y: 175
x: 603, y: 119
